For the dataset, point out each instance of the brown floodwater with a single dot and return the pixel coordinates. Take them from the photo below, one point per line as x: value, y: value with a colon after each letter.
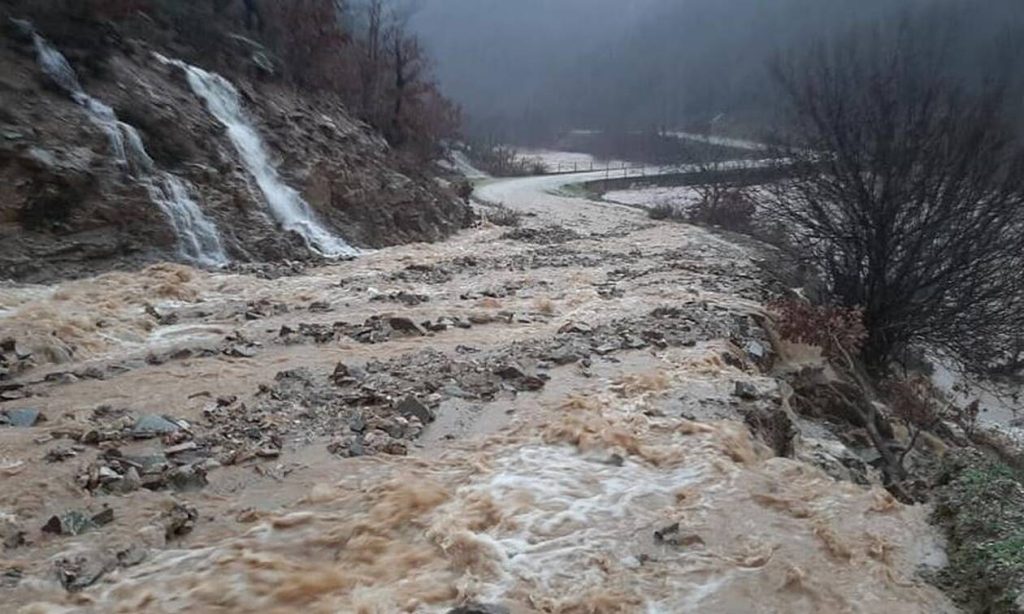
x: 590, y: 496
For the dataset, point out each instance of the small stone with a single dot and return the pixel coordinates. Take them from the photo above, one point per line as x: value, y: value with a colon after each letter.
x: 663, y: 532
x: 746, y: 391
x: 60, y: 454
x: 23, y: 417
x: 12, y: 534
x: 103, y: 518
x: 480, y: 608
x: 564, y: 355
x: 510, y: 371
x: 268, y: 452
x: 671, y: 536
x: 248, y: 515
x: 188, y: 446
x: 106, y: 475
x: 436, y: 327
x: 131, y: 481
x: 72, y: 522
x: 179, y: 519
x: 454, y: 390
x: 187, y: 478
x: 78, y: 570
x: 575, y: 327
x: 345, y: 375
x: 407, y: 326
x: 152, y: 425
x: 413, y: 407
x: 61, y: 378
x: 131, y: 555
x: 756, y: 350
x: 10, y: 578
x: 146, y: 463
x: 240, y: 351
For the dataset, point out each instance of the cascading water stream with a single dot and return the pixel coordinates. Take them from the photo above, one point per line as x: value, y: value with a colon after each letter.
x: 286, y: 204
x: 197, y: 235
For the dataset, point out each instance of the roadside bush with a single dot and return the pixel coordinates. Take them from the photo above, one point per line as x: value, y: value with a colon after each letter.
x: 731, y: 210
x: 537, y: 167
x: 463, y: 189
x: 500, y: 215
x: 504, y: 161
x: 661, y: 211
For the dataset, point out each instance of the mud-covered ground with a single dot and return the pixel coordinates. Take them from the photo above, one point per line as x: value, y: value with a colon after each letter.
x: 553, y: 417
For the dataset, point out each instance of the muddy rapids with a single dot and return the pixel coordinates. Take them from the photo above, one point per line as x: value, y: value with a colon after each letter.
x: 547, y: 418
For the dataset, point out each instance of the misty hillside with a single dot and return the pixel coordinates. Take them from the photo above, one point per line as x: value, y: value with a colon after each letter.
x: 662, y: 63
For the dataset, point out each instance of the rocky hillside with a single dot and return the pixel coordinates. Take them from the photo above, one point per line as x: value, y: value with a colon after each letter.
x: 68, y: 207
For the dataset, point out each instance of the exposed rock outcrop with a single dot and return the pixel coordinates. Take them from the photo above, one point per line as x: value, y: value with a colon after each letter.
x: 68, y: 209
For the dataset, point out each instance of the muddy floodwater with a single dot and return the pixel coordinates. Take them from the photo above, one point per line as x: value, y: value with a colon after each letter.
x: 543, y: 418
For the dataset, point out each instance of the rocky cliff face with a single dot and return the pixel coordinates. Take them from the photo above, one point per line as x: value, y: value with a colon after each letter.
x: 68, y: 208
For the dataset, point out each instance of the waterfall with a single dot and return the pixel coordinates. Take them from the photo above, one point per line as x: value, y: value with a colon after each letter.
x: 286, y: 204
x: 198, y: 239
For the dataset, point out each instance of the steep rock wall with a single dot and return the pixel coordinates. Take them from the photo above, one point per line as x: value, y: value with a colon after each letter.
x: 67, y: 209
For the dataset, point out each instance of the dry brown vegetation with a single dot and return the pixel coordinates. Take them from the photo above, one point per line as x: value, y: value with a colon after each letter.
x: 358, y: 50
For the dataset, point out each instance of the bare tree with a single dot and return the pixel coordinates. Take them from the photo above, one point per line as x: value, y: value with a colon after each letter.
x: 906, y: 195
x: 711, y: 186
x: 407, y: 62
x: 372, y: 57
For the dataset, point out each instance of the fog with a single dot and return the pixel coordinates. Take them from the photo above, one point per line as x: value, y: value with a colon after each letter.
x: 532, y: 68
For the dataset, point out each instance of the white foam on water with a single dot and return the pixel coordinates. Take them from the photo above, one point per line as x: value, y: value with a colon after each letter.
x: 564, y: 510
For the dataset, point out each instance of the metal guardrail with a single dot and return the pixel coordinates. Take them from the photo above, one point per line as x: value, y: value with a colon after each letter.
x: 622, y: 170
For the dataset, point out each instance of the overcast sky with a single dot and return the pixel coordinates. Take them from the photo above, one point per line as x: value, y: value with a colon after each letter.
x: 595, y: 63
